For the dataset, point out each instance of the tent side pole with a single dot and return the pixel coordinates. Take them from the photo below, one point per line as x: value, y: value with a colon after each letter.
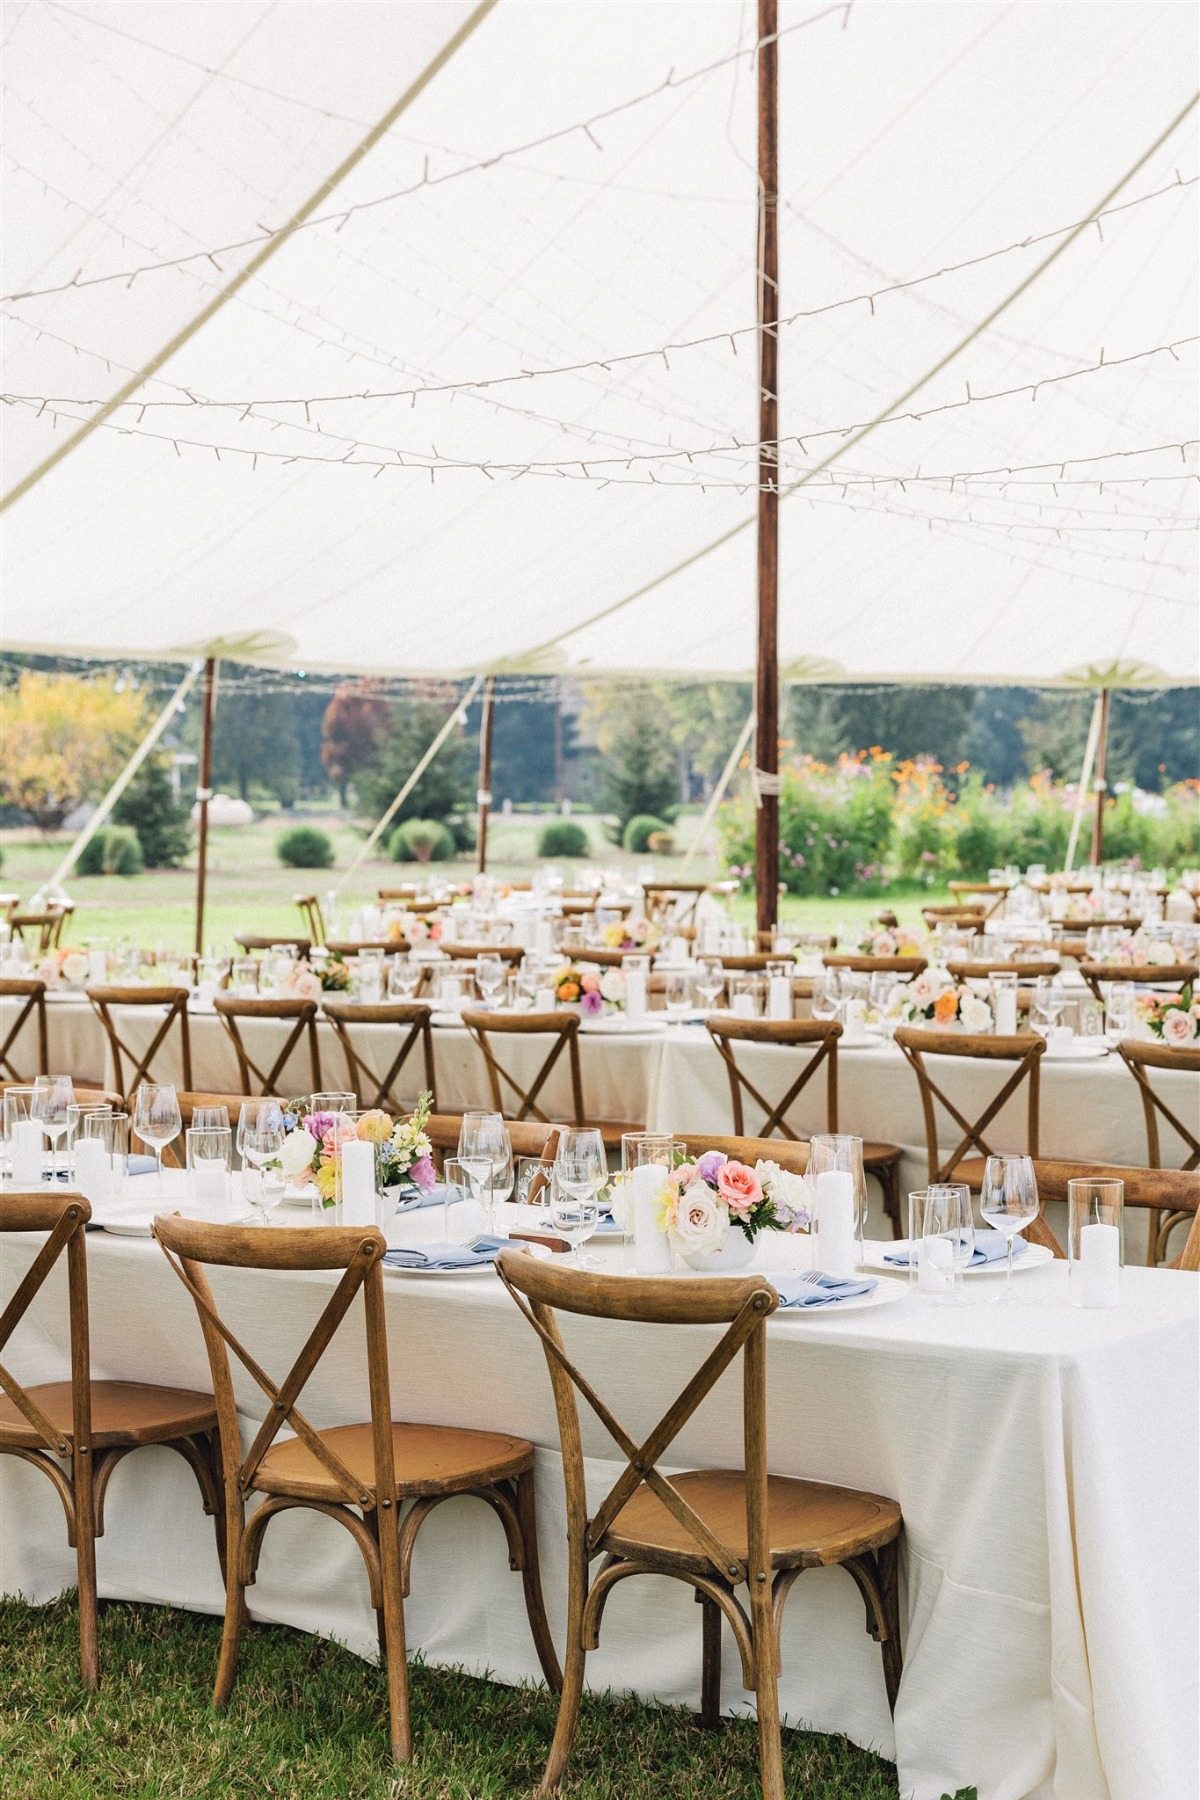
x: 204, y: 794
x: 1081, y: 792
x: 718, y: 793
x: 457, y: 717
x: 125, y: 777
x: 1101, y: 783
x: 766, y: 699
x: 483, y: 798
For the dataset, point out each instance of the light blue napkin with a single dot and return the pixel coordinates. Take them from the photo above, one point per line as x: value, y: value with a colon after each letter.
x: 826, y: 1290
x: 450, y: 1256
x: 143, y: 1165
x: 412, y: 1199
x: 989, y: 1248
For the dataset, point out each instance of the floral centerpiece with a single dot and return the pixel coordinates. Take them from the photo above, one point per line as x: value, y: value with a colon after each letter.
x: 900, y: 940
x: 1140, y: 952
x: 593, y: 991
x: 304, y: 982
x: 1172, y: 1018
x: 313, y: 1142
x: 935, y: 998
x: 633, y: 934
x: 64, y: 967
x: 712, y: 1207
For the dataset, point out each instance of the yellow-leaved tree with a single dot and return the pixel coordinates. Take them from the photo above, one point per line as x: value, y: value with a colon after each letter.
x: 63, y: 739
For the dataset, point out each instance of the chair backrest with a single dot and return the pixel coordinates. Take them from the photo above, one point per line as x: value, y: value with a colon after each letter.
x: 509, y: 953
x: 33, y: 994
x: 1026, y: 1051
x: 1160, y: 975
x: 172, y: 1002
x: 819, y: 1035
x: 875, y: 965
x: 528, y: 1138
x: 1139, y: 1057
x: 791, y: 1156
x: 967, y: 918
x: 979, y: 971
x: 390, y: 946
x: 230, y: 1008
x: 755, y: 961
x: 508, y: 1095
x: 248, y: 942
x: 1171, y: 1191
x: 743, y: 1306
x: 372, y: 1088
x: 189, y: 1245
x: 312, y: 917
x: 47, y: 926
x: 64, y: 1217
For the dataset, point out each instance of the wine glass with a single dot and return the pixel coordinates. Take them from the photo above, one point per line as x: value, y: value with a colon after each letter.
x: 210, y: 1118
x: 574, y: 1206
x: 53, y: 1098
x: 709, y: 979
x: 825, y: 995
x: 502, y: 1176
x: 482, y: 1141
x: 403, y: 978
x: 489, y: 974
x: 262, y: 1173
x: 1009, y: 1201
x: 1049, y: 998
x: 156, y: 1118
x: 264, y: 1115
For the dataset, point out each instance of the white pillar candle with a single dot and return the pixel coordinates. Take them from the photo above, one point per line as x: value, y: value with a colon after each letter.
x: 543, y: 937
x: 835, y: 1221
x: 651, y: 1251
x: 1006, y: 1012
x: 635, y: 996
x: 92, y: 1169
x: 742, y: 1006
x: 543, y: 1000
x: 779, y: 997
x: 1099, y: 1266
x: 26, y: 1153
x: 97, y: 967
x: 935, y: 1265
x: 358, y: 1182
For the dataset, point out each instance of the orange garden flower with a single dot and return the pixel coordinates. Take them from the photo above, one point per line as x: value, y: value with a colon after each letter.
x: 945, y: 1006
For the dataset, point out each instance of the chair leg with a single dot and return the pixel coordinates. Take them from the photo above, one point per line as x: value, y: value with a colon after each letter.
x: 572, y: 1685
x: 85, y: 1564
x: 235, y: 1599
x: 766, y: 1692
x: 889, y: 1180
x: 400, y: 1722
x: 710, y: 1678
x: 887, y: 1561
x: 532, y: 1580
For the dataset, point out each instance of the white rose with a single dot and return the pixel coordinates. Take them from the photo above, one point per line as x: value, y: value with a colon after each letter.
x: 75, y: 967
x: 1176, y: 1026
x: 789, y: 1191
x: 295, y: 1159
x: 923, y: 989
x: 612, y: 987
x: 701, y: 1221
x: 620, y: 1196
x: 976, y: 1014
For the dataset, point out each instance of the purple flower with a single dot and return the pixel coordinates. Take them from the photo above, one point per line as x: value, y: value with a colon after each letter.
x: 708, y: 1164
x: 319, y: 1123
x: 423, y: 1175
x: 591, y: 1003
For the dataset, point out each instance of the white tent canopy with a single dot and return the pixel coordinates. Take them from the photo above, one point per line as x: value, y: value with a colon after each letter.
x: 453, y: 428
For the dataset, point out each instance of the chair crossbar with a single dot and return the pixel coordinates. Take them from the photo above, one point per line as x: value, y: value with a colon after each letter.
x: 14, y: 1312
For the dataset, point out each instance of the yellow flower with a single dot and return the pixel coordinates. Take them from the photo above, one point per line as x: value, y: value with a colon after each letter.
x: 375, y: 1127
x: 326, y: 1178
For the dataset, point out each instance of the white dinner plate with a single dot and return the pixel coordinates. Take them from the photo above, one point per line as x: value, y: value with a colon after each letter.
x: 1034, y: 1256
x: 542, y: 1253
x: 871, y: 1041
x: 1082, y: 1050
x: 618, y: 1026
x: 886, y: 1294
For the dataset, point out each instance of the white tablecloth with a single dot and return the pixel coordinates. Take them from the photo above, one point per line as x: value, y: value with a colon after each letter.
x: 1045, y: 1459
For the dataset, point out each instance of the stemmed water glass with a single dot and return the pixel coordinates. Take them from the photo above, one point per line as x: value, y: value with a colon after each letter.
x: 1049, y: 998
x: 678, y: 994
x: 482, y: 1144
x: 574, y: 1206
x: 709, y: 979
x: 489, y: 974
x: 262, y: 1174
x: 267, y: 1115
x: 402, y: 978
x: 1009, y: 1201
x: 826, y: 993
x: 51, y: 1103
x: 156, y: 1118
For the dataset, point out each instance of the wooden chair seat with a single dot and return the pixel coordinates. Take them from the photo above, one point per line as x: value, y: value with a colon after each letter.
x: 123, y: 1413
x: 810, y: 1524
x: 429, y: 1459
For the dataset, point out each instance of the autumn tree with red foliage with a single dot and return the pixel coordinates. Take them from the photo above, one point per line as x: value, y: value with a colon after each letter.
x: 354, y: 722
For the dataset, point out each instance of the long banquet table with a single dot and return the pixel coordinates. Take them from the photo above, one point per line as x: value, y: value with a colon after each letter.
x: 1045, y: 1459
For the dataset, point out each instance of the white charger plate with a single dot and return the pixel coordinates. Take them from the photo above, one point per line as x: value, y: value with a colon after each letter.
x: 886, y: 1294
x: 1082, y: 1050
x: 1034, y: 1256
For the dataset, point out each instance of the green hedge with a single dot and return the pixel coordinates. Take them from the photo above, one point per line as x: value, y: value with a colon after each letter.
x: 114, y: 850
x: 421, y: 840
x: 562, y: 837
x: 641, y: 828
x: 305, y: 847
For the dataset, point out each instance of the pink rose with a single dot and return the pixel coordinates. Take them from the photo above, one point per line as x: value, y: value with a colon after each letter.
x: 1177, y: 1027
x: 591, y: 984
x: 738, y: 1186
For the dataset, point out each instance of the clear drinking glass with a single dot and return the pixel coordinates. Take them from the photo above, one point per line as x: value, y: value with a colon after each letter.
x: 482, y: 1142
x: 403, y: 979
x: 14, y: 1111
x: 209, y: 1159
x: 262, y: 1175
x: 112, y: 1129
x: 243, y: 977
x: 1049, y: 998
x: 1095, y: 1240
x: 332, y: 1102
x: 456, y: 1187
x: 156, y: 1118
x: 826, y: 993
x: 746, y: 995
x: 53, y: 1098
x: 1009, y: 1202
x: 574, y: 1209
x: 210, y: 1118
x: 75, y: 1118
x: 489, y: 975
x: 678, y: 994
x: 709, y: 979
x: 947, y: 1239
x: 1118, y: 1012
x: 260, y: 1115
x: 839, y: 1188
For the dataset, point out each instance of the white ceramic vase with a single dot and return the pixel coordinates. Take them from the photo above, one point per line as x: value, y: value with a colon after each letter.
x: 736, y: 1253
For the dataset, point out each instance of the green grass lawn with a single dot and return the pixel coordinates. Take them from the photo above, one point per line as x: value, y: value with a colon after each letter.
x: 249, y: 889
x: 308, y: 1721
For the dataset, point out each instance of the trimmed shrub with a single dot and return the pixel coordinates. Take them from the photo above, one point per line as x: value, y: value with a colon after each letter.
x: 640, y: 829
x: 563, y: 838
x: 421, y: 840
x: 113, y: 851
x: 305, y: 847
x: 661, y: 843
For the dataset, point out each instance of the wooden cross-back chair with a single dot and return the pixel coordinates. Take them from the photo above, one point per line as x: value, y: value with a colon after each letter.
x: 344, y: 949
x: 311, y: 917
x: 1139, y: 1058
x: 530, y: 1138
x: 717, y: 1530
x: 172, y: 1002
x: 681, y: 896
x: 1026, y: 1051
x: 508, y: 953
x: 1159, y: 975
x: 519, y: 1102
x: 46, y: 926
x: 248, y: 941
x: 372, y: 1088
x: 980, y: 896
x: 32, y: 995
x: 821, y: 1035
x: 967, y: 918
x: 1175, y: 1192
x: 753, y: 962
x: 90, y: 1425
x: 980, y: 969
x: 302, y: 1014
x: 875, y: 965
x: 359, y: 1475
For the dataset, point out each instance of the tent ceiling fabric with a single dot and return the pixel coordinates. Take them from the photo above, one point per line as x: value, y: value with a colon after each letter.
x: 508, y: 377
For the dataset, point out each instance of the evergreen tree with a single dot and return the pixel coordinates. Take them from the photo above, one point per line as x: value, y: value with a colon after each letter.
x: 639, y: 773
x: 161, y: 821
x: 448, y: 785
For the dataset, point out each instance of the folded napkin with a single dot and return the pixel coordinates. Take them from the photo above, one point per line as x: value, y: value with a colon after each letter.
x: 450, y: 1256
x: 143, y: 1165
x: 412, y: 1199
x: 989, y: 1248
x: 821, y: 1290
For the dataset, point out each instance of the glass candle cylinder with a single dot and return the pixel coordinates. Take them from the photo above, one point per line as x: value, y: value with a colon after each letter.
x: 1095, y: 1240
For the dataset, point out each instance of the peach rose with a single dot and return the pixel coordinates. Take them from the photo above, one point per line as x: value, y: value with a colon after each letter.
x: 945, y: 1006
x: 738, y: 1186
